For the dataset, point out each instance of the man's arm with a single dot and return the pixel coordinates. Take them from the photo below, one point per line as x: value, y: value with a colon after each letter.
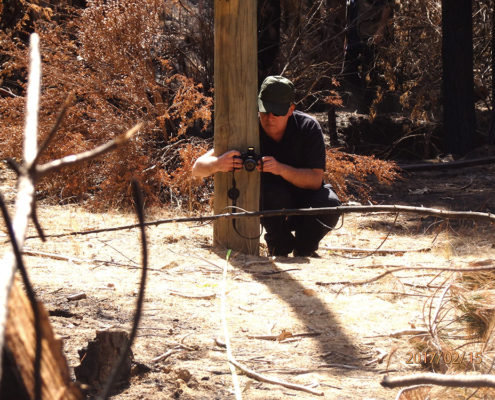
x: 304, y: 178
x: 208, y: 163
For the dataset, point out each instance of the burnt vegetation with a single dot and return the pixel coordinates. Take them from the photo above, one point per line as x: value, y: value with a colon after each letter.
x: 152, y: 61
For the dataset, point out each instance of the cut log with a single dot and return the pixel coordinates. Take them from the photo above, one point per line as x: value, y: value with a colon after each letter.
x: 20, y: 343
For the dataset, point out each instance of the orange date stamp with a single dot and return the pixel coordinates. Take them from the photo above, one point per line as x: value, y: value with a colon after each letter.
x: 447, y: 357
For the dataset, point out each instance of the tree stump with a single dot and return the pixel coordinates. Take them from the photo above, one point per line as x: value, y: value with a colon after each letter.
x: 99, y: 357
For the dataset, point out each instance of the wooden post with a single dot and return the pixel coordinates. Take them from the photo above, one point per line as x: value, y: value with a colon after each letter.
x: 236, y: 121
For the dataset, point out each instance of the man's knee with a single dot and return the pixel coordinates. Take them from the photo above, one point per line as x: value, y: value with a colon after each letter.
x: 326, y: 197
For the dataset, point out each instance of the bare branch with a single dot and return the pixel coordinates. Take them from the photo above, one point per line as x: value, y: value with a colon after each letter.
x: 33, y: 98
x: 440, y: 379
x: 53, y: 131
x: 87, y: 155
x: 306, y: 211
x: 25, y: 193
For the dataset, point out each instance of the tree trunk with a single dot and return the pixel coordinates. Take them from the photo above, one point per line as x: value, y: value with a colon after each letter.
x: 457, y: 61
x: 491, y: 133
x: 268, y: 38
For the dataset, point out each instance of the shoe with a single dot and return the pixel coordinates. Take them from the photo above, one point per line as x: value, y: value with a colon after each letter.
x: 301, y: 253
x: 276, y: 253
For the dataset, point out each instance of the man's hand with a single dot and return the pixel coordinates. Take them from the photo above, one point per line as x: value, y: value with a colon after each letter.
x: 228, y: 161
x: 270, y: 164
x: 208, y: 163
x: 304, y: 178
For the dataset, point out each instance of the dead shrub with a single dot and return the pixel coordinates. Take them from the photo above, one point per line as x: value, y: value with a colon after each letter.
x: 110, y: 56
x: 349, y: 174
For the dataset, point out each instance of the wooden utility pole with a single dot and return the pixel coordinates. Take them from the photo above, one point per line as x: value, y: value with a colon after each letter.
x: 236, y: 121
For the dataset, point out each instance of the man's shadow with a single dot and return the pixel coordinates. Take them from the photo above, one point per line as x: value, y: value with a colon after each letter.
x: 335, y: 347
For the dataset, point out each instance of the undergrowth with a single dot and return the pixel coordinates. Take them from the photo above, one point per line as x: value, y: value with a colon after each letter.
x: 119, y: 62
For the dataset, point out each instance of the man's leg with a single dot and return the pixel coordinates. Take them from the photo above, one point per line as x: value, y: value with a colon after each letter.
x: 278, y: 236
x: 311, y: 229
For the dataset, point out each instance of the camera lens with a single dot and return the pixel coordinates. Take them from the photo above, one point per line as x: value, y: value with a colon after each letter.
x: 249, y: 164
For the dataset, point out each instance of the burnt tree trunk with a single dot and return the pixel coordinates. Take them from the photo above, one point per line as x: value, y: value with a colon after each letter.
x: 457, y: 61
x: 491, y: 133
x: 268, y: 38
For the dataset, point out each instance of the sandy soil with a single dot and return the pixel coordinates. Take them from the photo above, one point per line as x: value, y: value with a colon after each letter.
x: 333, y: 337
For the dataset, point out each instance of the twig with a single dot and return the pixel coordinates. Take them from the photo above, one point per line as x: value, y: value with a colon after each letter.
x: 391, y: 271
x: 448, y: 165
x: 276, y: 337
x: 54, y: 256
x: 166, y: 355
x: 139, y: 205
x: 254, y: 375
x: 358, y: 250
x: 408, y: 389
x: 489, y: 217
x: 434, y: 323
x: 44, y: 169
x: 404, y: 332
x: 53, y: 131
x: 223, y: 312
x: 187, y: 296
x: 333, y: 365
x: 440, y: 380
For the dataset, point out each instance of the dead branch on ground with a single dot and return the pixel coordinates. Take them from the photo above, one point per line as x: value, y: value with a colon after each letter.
x: 391, y: 271
x: 440, y: 380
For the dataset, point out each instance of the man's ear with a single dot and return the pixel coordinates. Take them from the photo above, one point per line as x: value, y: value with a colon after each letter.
x: 291, y: 109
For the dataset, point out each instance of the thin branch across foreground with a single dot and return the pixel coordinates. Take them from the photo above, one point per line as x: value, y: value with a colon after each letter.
x: 440, y: 379
x: 445, y: 214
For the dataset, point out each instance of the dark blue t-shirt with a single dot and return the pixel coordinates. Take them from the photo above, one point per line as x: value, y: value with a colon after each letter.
x: 302, y: 145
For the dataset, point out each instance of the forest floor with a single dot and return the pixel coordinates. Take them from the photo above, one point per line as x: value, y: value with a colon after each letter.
x: 288, y: 317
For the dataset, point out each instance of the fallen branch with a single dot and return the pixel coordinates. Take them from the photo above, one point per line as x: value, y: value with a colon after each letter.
x: 277, y: 337
x: 404, y: 332
x: 489, y: 217
x: 358, y: 250
x: 261, y: 378
x: 448, y: 165
x: 60, y: 257
x: 391, y: 271
x: 440, y: 380
x: 187, y: 296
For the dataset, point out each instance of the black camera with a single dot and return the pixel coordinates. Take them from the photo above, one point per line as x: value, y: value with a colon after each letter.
x: 250, y: 159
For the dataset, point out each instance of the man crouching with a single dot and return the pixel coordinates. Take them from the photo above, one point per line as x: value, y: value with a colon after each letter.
x: 292, y: 167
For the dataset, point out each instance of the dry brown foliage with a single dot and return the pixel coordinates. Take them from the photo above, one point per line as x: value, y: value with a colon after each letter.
x: 349, y: 174
x: 110, y: 56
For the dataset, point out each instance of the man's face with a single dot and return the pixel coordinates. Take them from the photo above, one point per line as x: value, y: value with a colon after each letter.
x: 275, y: 125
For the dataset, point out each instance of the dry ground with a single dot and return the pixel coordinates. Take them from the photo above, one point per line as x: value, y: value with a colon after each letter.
x: 350, y: 348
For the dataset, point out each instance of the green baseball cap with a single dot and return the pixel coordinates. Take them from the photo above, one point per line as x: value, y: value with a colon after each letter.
x: 276, y: 95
